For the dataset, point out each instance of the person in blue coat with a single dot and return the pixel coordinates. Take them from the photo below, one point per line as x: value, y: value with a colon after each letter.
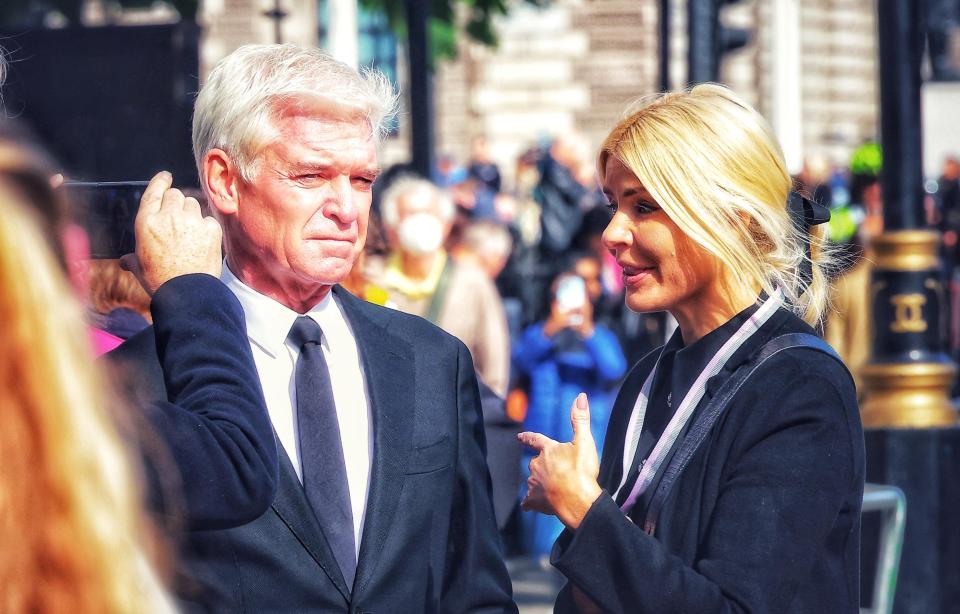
x: 565, y: 355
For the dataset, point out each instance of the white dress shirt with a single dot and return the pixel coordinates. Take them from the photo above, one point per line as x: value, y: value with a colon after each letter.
x: 268, y: 323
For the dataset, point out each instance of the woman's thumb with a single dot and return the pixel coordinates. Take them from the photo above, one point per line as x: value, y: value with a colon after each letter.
x: 580, y: 420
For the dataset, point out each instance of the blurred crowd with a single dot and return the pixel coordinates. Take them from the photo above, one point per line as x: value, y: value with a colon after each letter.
x: 517, y: 269
x: 854, y: 193
x: 512, y: 263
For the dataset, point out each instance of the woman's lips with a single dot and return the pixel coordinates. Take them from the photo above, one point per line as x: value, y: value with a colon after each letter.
x: 634, y: 275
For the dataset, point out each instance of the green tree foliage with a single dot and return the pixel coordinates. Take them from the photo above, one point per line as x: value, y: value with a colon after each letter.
x: 443, y: 26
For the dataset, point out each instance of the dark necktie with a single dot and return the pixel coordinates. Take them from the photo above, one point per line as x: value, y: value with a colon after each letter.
x: 321, y: 450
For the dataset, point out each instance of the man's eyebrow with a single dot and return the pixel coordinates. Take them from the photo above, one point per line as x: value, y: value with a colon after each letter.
x: 325, y: 165
x: 311, y: 165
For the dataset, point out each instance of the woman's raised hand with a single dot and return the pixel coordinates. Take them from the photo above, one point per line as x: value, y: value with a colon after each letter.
x: 563, y: 476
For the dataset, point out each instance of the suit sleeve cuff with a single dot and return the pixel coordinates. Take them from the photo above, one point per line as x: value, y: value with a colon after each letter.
x: 579, y: 554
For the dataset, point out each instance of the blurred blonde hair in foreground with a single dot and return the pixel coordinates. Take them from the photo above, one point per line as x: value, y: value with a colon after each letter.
x: 714, y: 166
x: 74, y: 535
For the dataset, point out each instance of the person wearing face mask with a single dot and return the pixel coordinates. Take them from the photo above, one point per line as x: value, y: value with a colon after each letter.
x: 424, y: 281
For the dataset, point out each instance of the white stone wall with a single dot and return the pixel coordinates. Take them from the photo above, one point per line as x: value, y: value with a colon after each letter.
x: 840, y: 75
x: 526, y: 89
x: 228, y: 24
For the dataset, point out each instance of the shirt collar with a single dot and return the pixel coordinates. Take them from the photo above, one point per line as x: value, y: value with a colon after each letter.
x: 269, y: 322
x: 689, y: 361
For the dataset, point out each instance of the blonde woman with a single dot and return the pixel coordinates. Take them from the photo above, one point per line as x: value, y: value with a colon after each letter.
x: 73, y: 532
x: 733, y: 465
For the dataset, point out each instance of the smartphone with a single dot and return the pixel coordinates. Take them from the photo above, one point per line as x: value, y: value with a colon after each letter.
x: 107, y: 210
x: 572, y: 295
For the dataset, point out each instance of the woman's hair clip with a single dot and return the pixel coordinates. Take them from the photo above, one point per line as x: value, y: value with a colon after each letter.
x: 806, y: 213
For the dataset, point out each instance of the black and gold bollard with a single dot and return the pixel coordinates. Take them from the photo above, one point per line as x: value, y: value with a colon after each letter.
x: 912, y: 439
x: 909, y: 378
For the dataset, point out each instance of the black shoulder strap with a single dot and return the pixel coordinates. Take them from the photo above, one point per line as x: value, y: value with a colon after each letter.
x: 715, y: 408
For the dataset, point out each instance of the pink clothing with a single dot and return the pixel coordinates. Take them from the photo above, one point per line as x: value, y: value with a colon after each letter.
x: 103, y: 341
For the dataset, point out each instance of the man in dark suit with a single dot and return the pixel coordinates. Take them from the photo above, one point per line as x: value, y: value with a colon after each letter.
x: 383, y: 501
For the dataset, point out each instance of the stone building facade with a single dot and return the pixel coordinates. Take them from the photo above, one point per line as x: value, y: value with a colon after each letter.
x: 575, y: 64
x: 228, y: 24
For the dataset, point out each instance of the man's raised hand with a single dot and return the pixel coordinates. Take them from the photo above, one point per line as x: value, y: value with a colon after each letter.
x: 173, y: 237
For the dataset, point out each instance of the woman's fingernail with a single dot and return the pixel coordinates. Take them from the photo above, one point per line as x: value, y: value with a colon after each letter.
x: 582, y: 401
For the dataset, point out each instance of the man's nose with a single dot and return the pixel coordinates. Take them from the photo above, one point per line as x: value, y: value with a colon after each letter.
x: 343, y: 207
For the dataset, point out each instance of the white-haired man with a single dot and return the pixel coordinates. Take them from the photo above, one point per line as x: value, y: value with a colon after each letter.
x: 383, y: 502
x: 423, y: 280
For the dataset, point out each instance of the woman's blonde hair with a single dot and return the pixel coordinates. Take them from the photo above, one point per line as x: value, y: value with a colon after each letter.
x: 712, y: 163
x: 73, y: 533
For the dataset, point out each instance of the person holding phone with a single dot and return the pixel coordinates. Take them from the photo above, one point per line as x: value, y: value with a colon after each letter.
x: 565, y: 354
x: 733, y: 467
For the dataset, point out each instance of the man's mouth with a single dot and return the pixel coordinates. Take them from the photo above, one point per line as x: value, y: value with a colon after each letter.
x: 336, y: 239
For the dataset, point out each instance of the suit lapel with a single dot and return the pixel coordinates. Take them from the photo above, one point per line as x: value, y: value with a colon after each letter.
x: 294, y: 510
x: 388, y: 365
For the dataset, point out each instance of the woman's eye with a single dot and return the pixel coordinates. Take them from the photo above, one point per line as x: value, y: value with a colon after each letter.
x: 644, y: 208
x: 611, y: 207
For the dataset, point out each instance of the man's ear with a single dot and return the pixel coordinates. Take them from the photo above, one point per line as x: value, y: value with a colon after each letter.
x: 221, y: 179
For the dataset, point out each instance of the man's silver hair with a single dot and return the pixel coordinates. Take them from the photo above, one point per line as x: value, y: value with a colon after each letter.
x: 244, y: 95
x: 3, y: 66
x: 409, y: 185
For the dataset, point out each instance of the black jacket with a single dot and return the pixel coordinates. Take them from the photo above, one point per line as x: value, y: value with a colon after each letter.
x: 429, y: 541
x: 765, y: 518
x: 207, y: 443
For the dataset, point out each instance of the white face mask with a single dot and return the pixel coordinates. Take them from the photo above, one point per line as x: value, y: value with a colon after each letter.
x: 420, y: 234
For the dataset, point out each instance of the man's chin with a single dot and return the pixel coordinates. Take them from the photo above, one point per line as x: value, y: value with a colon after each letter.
x: 328, y: 274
